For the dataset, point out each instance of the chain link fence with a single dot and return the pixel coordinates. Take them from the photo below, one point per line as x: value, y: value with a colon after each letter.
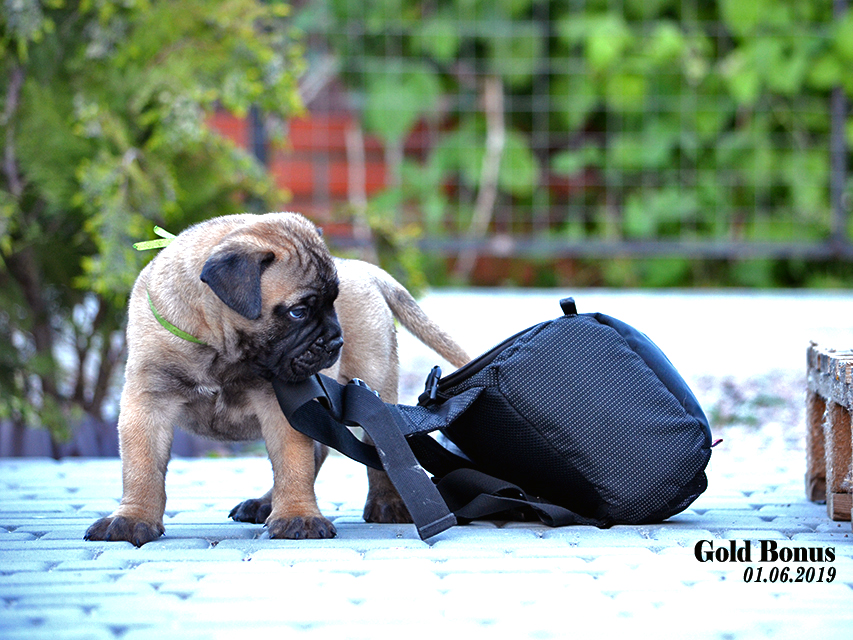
x: 579, y: 128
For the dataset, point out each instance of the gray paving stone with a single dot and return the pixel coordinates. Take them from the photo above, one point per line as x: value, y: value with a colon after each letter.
x: 684, y: 536
x: 493, y: 537
x: 67, y: 593
x: 83, y: 631
x: 40, y: 525
x: 800, y: 509
x: 825, y: 537
x: 58, y: 578
x: 73, y: 532
x: 51, y: 556
x: 829, y: 526
x: 144, y: 610
x: 435, y: 554
x: 18, y: 616
x: 168, y: 544
x: 294, y: 555
x: 199, y: 515
x: 512, y: 565
x: 214, y: 532
x: 13, y: 566
x: 36, y: 507
x: 727, y: 518
x: 16, y: 536
x: 96, y: 564
x: 753, y: 534
x: 45, y: 544
x: 356, y: 528
x: 135, y: 556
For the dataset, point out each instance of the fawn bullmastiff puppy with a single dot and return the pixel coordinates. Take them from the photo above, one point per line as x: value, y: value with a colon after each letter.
x: 229, y: 304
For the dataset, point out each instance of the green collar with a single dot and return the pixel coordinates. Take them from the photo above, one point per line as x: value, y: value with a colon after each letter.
x: 168, y: 325
x: 166, y: 238
x: 164, y: 241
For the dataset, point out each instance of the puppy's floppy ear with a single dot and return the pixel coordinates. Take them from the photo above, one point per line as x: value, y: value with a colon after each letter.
x: 235, y: 277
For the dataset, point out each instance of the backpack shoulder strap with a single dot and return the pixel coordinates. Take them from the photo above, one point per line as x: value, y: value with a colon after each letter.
x: 314, y: 407
x: 356, y: 404
x: 472, y: 494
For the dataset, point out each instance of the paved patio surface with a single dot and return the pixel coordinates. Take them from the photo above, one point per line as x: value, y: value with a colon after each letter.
x: 211, y: 578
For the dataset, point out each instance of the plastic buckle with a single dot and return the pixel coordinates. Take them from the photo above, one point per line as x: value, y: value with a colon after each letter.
x: 358, y: 382
x: 430, y: 388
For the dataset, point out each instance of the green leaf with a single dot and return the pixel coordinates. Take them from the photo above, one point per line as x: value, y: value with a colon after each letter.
x: 575, y: 97
x: 660, y: 212
x: 744, y: 17
x: 607, y: 41
x: 438, y: 36
x: 742, y: 77
x: 519, y: 172
x: 650, y: 149
x: 395, y: 101
x: 573, y: 162
x: 626, y: 91
x: 667, y: 43
x: 843, y: 37
x: 515, y: 52
x: 825, y: 72
x: 647, y: 8
x: 461, y: 151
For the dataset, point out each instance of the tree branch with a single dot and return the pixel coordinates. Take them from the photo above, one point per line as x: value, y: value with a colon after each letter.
x: 109, y: 358
x: 357, y: 190
x: 24, y: 269
x: 10, y: 162
x: 487, y: 195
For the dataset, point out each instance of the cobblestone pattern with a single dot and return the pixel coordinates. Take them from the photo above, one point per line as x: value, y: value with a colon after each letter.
x: 210, y: 577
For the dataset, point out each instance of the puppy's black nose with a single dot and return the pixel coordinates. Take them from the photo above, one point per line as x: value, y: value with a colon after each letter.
x: 333, y: 345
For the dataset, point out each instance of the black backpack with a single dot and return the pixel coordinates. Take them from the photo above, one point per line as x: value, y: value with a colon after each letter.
x: 578, y: 420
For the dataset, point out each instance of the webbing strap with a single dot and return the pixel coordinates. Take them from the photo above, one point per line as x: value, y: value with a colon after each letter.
x: 326, y: 421
x: 425, y: 504
x: 322, y: 420
x: 322, y: 409
x: 472, y: 494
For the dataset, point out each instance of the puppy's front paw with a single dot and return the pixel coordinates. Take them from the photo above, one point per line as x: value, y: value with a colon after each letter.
x: 255, y: 511
x: 386, y: 508
x: 297, y: 528
x: 119, y: 528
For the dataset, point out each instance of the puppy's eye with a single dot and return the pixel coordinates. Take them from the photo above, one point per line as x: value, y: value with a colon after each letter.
x: 298, y: 313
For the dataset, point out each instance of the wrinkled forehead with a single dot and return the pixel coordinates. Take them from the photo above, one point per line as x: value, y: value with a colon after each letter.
x: 313, y: 273
x: 302, y: 263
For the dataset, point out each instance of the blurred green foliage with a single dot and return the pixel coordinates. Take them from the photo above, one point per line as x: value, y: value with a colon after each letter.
x: 680, y: 119
x: 102, y: 125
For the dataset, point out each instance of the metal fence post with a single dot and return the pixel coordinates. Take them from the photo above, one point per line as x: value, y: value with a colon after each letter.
x: 838, y: 154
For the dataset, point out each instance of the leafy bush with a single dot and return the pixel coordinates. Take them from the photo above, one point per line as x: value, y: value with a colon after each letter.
x: 659, y: 118
x: 103, y: 132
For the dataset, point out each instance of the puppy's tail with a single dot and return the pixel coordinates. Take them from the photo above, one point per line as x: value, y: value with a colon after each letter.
x: 408, y: 312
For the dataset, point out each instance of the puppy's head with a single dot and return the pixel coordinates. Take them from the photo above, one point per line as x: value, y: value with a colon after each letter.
x: 277, y: 273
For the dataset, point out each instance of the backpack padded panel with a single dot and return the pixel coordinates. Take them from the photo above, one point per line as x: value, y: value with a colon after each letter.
x: 612, y: 432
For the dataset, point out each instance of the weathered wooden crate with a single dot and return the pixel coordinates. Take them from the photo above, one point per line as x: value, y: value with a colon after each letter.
x: 829, y: 442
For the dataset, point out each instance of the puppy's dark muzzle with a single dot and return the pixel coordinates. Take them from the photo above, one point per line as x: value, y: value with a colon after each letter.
x: 333, y: 346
